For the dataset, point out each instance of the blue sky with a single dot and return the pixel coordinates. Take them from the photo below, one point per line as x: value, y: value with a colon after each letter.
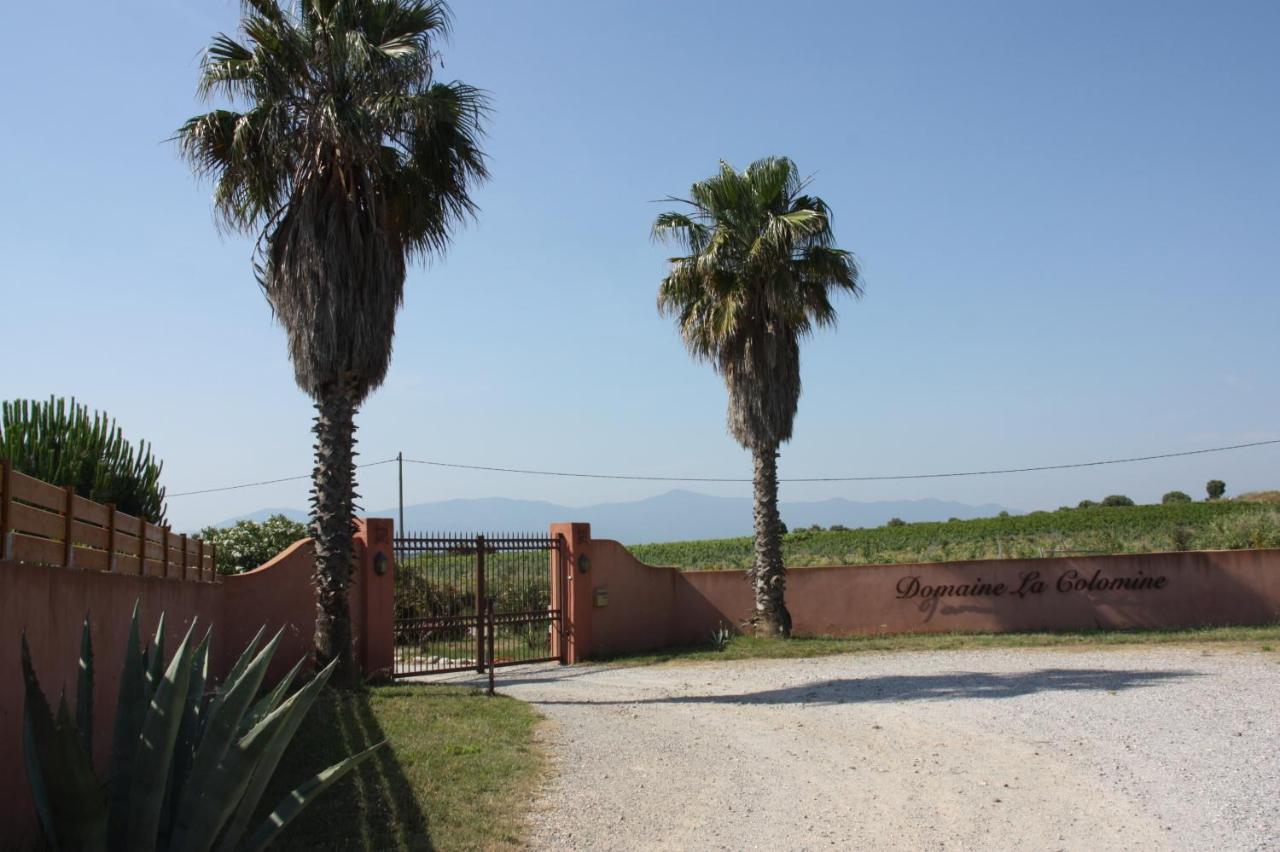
x: 1067, y: 216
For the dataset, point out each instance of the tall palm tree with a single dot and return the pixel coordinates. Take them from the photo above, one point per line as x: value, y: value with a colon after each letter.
x: 758, y: 275
x: 347, y: 159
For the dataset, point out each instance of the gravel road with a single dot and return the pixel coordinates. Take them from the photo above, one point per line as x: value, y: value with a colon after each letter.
x: 1149, y: 748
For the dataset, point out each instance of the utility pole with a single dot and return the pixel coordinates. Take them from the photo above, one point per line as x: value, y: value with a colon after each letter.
x: 400, y: 464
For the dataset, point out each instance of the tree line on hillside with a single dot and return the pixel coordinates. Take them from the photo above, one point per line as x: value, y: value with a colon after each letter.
x: 1214, y: 488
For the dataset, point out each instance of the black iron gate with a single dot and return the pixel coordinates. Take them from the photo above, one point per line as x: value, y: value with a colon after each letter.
x: 467, y: 602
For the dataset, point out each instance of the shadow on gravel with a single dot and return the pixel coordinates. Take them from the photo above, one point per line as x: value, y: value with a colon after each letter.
x: 930, y: 687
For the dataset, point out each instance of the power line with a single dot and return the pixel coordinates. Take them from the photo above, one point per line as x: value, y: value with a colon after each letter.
x: 802, y: 479
x: 263, y: 482
x: 903, y: 476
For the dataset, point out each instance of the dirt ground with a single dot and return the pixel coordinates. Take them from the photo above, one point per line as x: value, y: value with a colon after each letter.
x: 1140, y: 748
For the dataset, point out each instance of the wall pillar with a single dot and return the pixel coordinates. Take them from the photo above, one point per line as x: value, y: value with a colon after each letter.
x: 571, y: 591
x: 376, y: 580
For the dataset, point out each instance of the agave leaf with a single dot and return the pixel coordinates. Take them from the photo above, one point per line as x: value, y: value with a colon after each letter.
x: 272, y: 699
x: 35, y: 704
x: 184, y: 747
x: 224, y: 719
x: 237, y: 671
x: 74, y: 806
x: 270, y: 761
x: 84, y: 690
x: 79, y: 806
x: 155, y: 747
x: 301, y: 796
x: 155, y: 664
x: 203, y: 817
x: 131, y: 710
x: 246, y: 656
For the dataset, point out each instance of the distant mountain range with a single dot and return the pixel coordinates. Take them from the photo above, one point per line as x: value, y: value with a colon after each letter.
x: 673, y: 516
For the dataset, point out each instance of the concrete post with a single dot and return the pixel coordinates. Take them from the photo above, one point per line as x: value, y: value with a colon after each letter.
x: 377, y: 597
x: 571, y: 591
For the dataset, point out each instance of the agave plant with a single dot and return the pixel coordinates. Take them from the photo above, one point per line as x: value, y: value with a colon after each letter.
x: 720, y: 637
x: 188, y: 766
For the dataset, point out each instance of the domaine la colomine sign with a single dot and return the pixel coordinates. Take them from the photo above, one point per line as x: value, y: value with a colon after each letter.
x: 1030, y: 583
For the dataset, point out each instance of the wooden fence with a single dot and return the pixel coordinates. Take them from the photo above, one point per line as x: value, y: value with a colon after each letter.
x: 50, y: 525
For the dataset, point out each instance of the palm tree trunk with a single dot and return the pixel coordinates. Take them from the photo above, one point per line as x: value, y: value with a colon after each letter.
x: 768, y: 574
x: 333, y: 523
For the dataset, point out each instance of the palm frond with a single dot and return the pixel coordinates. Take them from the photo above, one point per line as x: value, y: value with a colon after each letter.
x: 346, y: 157
x: 758, y: 275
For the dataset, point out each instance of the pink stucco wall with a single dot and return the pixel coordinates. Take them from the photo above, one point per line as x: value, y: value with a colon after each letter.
x: 50, y: 603
x: 639, y: 607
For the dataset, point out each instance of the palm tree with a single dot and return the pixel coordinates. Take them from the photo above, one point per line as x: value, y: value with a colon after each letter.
x: 347, y: 160
x: 758, y: 274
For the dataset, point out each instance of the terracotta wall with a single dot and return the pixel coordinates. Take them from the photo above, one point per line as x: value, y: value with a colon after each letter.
x: 644, y: 607
x: 50, y: 603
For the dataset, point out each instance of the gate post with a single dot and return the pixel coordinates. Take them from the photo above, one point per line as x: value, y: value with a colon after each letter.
x: 375, y: 582
x: 571, y: 592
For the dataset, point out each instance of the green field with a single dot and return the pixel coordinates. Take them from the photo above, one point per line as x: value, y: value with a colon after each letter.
x: 1223, y: 525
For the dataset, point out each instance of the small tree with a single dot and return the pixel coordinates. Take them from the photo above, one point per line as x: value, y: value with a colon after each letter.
x: 1116, y: 500
x: 1176, y: 497
x: 1086, y: 504
x: 896, y: 522
x: 1215, y: 488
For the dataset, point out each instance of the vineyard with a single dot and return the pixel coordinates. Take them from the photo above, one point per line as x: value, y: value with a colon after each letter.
x: 1222, y: 525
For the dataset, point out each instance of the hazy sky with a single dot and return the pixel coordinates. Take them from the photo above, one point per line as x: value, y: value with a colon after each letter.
x: 1067, y: 215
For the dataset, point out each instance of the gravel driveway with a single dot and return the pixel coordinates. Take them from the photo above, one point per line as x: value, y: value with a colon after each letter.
x: 1150, y: 748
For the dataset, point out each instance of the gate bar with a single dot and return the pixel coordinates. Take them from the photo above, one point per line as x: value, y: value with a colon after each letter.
x: 480, y: 604
x: 491, y: 631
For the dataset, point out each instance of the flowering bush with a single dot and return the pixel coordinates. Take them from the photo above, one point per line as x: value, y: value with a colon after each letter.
x: 247, y: 544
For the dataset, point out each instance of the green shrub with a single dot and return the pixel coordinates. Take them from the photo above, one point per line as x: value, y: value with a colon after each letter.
x: 188, y: 766
x: 1215, y: 488
x: 1176, y: 497
x: 63, y: 444
x: 245, y: 545
x: 1116, y: 500
x: 1086, y: 504
x: 896, y: 522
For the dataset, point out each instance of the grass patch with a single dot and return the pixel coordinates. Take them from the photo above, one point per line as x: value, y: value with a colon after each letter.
x: 458, y: 774
x: 750, y: 648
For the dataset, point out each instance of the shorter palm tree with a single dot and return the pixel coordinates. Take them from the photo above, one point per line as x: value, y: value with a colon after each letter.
x: 757, y: 276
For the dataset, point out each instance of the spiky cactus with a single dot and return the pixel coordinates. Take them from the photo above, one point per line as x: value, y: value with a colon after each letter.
x: 188, y: 768
x: 62, y: 443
